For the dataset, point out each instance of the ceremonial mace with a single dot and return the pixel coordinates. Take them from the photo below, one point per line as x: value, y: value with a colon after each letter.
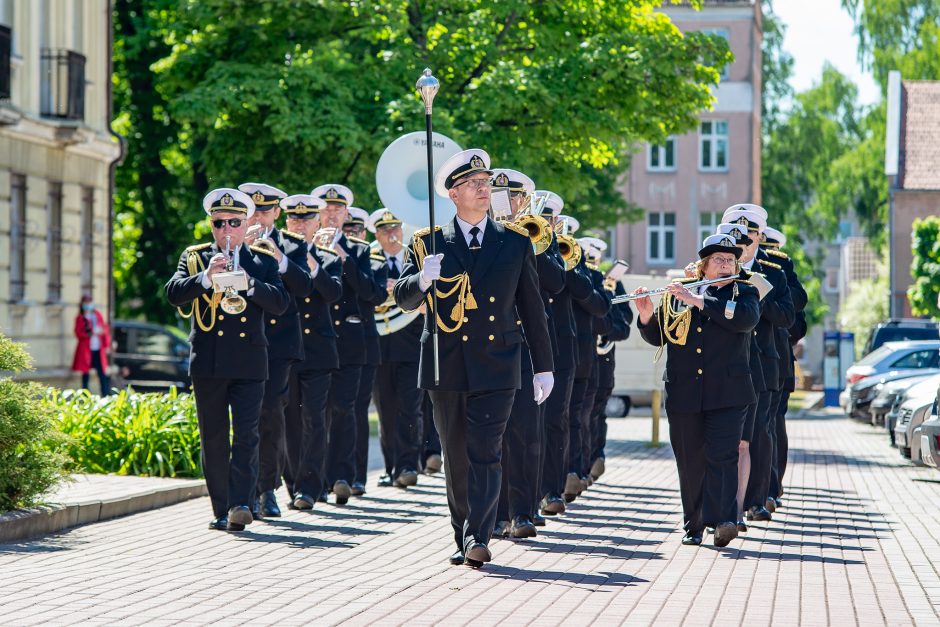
x: 427, y: 86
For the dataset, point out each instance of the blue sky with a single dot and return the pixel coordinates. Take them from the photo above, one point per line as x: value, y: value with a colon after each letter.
x: 820, y: 31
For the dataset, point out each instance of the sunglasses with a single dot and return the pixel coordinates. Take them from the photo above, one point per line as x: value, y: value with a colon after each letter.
x: 232, y: 222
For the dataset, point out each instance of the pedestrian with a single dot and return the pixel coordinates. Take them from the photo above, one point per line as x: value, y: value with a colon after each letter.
x: 94, y: 344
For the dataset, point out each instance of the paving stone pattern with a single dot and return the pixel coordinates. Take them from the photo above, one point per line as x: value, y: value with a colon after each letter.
x: 858, y: 542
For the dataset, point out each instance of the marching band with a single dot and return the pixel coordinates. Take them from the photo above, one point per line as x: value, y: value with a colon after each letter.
x: 485, y: 344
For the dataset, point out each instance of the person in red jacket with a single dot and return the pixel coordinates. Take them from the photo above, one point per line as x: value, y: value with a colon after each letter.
x: 94, y: 343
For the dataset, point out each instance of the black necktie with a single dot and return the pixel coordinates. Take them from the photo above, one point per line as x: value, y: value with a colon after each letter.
x: 393, y: 271
x: 474, y: 242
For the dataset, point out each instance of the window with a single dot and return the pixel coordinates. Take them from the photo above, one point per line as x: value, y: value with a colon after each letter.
x: 662, y: 157
x: 708, y: 222
x: 662, y: 238
x: 17, y: 237
x: 54, y: 242
x: 919, y: 359
x: 88, y: 239
x: 713, y: 145
x: 723, y: 33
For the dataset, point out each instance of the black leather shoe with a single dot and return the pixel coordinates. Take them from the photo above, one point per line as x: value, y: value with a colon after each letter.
x: 742, y: 528
x: 724, y: 533
x: 778, y: 503
x: 770, y: 505
x: 758, y: 513
x: 219, y: 524
x: 598, y: 468
x: 692, y: 538
x: 239, y: 515
x: 303, y: 501
x: 256, y: 508
x: 269, y: 507
x: 538, y: 520
x: 433, y: 464
x: 477, y: 555
x: 553, y: 504
x: 501, y: 530
x: 357, y: 488
x: 385, y: 481
x: 456, y: 559
x: 572, y: 487
x: 342, y: 492
x: 406, y: 478
x: 324, y: 496
x: 522, y: 527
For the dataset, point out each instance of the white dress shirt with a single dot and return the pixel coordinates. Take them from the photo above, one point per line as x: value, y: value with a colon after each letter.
x: 466, y: 226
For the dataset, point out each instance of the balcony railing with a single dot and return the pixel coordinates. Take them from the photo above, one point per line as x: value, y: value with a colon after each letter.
x: 62, y: 93
x: 6, y: 45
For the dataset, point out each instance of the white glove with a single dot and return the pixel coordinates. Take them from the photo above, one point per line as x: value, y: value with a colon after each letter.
x: 543, y: 382
x: 431, y: 271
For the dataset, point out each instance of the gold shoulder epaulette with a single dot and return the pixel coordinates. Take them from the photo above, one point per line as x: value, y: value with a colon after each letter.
x: 261, y: 249
x: 425, y: 231
x: 196, y: 247
x: 327, y: 250
x: 769, y: 264
x: 512, y: 226
x: 745, y: 281
x: 776, y: 253
x: 377, y: 257
x: 357, y: 240
x: 292, y: 235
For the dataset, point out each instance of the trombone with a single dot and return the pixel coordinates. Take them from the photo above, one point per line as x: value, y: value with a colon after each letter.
x: 569, y: 248
x: 530, y: 218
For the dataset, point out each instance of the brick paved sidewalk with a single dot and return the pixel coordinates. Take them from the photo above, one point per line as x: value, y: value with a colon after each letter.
x: 855, y: 544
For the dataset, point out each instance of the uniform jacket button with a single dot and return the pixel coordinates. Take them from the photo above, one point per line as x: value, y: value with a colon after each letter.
x: 492, y: 318
x: 221, y: 332
x: 241, y: 335
x: 700, y: 371
x: 466, y: 319
x: 306, y: 315
x: 492, y: 337
x: 273, y: 321
x: 465, y: 338
x: 221, y: 317
x: 307, y: 331
x: 551, y: 300
x: 492, y: 299
x: 336, y: 323
x: 699, y: 329
x: 244, y: 319
x: 307, y: 300
x: 335, y: 306
x: 698, y: 350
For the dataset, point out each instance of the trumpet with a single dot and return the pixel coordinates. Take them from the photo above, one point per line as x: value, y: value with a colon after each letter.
x: 570, y: 251
x: 625, y: 298
x: 232, y: 302
x: 327, y: 237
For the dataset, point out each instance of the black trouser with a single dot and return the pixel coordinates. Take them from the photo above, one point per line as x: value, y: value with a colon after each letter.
x: 556, y: 434
x: 229, y: 465
x: 363, y: 400
x: 398, y: 400
x: 430, y: 439
x: 588, y: 424
x: 575, y: 410
x: 341, y: 424
x: 471, y: 425
x: 305, y: 431
x: 761, y: 446
x: 521, y: 456
x: 600, y: 423
x: 706, y: 448
x: 103, y: 378
x: 271, y: 427
x: 781, y: 446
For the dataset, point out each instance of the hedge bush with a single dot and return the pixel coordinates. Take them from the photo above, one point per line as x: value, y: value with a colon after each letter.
x: 130, y: 433
x: 31, y: 461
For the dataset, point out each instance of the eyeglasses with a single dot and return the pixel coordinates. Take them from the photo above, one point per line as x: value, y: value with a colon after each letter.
x: 724, y: 261
x: 475, y: 183
x: 232, y: 222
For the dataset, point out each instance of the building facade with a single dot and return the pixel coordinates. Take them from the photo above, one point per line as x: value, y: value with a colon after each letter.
x: 56, y: 158
x: 686, y: 184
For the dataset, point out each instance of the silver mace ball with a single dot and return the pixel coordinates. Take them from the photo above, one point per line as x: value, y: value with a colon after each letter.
x: 427, y: 86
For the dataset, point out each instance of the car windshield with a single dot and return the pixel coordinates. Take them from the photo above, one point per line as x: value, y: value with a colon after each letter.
x: 875, y: 356
x: 899, y: 334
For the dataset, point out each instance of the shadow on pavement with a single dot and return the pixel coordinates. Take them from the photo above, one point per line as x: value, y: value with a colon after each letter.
x: 296, y: 542
x: 737, y: 554
x: 823, y: 458
x: 602, y: 579
x: 599, y: 549
x: 301, y: 526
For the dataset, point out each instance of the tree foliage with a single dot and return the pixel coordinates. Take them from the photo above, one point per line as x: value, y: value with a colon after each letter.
x: 864, y: 307
x: 924, y: 294
x: 300, y: 92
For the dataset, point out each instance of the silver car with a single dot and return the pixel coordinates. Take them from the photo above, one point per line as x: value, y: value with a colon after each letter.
x: 930, y: 442
x: 908, y: 355
x: 886, y: 392
x: 918, y: 401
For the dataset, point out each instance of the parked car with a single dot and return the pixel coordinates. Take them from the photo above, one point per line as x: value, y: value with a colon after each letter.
x: 887, y: 391
x: 900, y: 329
x: 861, y: 394
x: 151, y: 357
x: 914, y: 409
x: 930, y: 441
x: 908, y: 355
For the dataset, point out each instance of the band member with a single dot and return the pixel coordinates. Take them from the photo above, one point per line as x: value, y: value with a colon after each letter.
x: 358, y: 285
x: 706, y: 332
x: 355, y: 229
x: 776, y: 311
x: 523, y: 440
x: 398, y: 399
x: 229, y: 355
x: 285, y: 346
x: 773, y: 242
x: 305, y: 414
x: 486, y: 288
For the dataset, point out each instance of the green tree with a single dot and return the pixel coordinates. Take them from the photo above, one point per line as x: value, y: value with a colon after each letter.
x: 864, y: 307
x: 925, y: 244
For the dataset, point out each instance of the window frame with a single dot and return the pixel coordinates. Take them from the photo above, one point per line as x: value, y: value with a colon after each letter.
x: 709, y: 230
x: 18, y: 237
x: 713, y: 137
x: 660, y: 231
x: 54, y: 242
x: 660, y: 150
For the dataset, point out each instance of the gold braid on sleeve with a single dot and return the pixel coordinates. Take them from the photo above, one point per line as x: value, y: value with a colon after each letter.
x: 459, y: 286
x: 194, y: 265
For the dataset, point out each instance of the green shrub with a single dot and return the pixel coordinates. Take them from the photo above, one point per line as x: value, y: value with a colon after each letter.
x: 31, y: 463
x: 130, y: 433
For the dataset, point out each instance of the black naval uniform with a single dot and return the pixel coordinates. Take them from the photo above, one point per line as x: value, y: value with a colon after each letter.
x: 285, y: 348
x: 776, y: 311
x: 228, y: 366
x: 305, y: 415
x: 373, y: 358
x: 578, y: 288
x: 708, y: 388
x: 358, y: 285
x: 398, y: 399
x: 480, y: 368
